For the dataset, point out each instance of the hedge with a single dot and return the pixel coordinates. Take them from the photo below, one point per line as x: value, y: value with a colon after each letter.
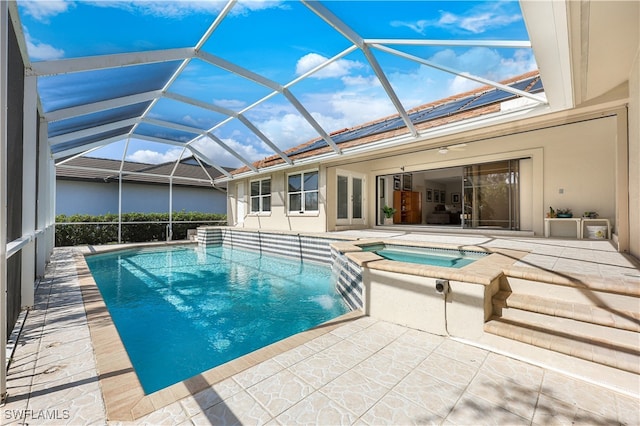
x: 104, y: 228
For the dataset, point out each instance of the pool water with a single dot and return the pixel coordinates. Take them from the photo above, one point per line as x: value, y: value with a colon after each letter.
x: 428, y: 256
x: 183, y: 310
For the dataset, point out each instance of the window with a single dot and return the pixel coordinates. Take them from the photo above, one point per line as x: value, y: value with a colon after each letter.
x: 261, y: 196
x: 303, y: 192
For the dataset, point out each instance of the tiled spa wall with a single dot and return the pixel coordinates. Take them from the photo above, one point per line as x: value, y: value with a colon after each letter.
x: 348, y: 277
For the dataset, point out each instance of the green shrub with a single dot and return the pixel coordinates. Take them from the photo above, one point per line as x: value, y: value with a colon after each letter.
x: 103, y: 229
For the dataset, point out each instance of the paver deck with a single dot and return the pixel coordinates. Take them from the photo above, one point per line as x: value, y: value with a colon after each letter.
x: 361, y: 371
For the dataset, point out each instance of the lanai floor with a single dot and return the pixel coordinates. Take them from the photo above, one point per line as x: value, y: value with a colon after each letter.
x: 356, y: 371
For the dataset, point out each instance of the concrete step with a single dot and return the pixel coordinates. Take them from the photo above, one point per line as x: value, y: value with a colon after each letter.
x: 614, y: 285
x: 601, y: 315
x: 579, y: 292
x: 603, y: 345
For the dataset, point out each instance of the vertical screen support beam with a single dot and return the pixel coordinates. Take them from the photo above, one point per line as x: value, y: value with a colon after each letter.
x: 170, y: 226
x: 4, y: 40
x: 44, y: 158
x: 51, y: 229
x: 120, y: 207
x: 29, y: 163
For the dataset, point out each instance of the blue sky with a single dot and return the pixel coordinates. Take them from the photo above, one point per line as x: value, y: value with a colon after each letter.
x: 281, y: 41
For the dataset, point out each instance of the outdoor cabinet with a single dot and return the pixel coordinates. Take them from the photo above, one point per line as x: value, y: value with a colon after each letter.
x: 408, y: 205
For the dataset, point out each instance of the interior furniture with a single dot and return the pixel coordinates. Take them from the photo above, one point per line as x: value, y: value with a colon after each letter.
x: 408, y: 205
x: 444, y: 215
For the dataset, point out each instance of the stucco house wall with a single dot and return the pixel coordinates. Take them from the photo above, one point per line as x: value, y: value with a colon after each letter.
x: 278, y: 218
x: 573, y: 164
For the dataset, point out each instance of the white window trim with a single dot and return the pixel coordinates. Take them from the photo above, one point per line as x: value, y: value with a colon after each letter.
x: 310, y: 213
x: 260, y: 212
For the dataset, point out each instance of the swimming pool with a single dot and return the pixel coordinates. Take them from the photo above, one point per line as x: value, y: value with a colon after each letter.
x: 448, y: 258
x: 182, y: 310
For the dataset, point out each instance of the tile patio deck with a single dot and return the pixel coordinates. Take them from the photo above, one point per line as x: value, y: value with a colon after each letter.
x: 362, y: 371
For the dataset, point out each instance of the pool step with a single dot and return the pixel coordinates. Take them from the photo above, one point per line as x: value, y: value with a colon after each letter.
x: 597, y: 322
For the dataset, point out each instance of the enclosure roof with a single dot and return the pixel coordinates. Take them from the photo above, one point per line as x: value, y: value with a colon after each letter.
x: 231, y: 83
x: 185, y: 173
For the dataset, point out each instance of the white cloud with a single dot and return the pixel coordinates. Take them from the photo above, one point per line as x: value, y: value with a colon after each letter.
x: 154, y: 157
x: 338, y: 68
x: 177, y: 9
x: 460, y: 84
x: 477, y: 20
x: 418, y: 26
x: 43, y: 10
x: 222, y: 157
x: 425, y: 84
x: 229, y: 103
x: 287, y: 130
x: 482, y: 22
x: 42, y: 51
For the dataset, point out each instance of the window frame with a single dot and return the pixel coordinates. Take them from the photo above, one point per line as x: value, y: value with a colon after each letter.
x: 261, y: 196
x: 303, y: 211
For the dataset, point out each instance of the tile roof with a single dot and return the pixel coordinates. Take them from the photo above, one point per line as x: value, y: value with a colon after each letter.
x: 468, y: 106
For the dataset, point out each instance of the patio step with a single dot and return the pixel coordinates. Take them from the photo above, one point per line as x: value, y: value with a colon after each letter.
x: 583, y: 346
x: 596, y: 322
x: 604, y: 316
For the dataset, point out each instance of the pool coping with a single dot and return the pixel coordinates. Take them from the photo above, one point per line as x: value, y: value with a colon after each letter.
x: 122, y: 392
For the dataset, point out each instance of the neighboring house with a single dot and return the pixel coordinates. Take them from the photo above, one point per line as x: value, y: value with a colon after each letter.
x: 88, y: 185
x: 486, y: 174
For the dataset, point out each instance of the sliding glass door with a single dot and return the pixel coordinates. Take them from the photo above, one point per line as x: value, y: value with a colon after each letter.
x: 491, y: 195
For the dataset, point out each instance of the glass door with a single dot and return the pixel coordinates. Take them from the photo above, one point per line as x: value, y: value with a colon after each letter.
x: 350, y: 198
x: 491, y: 195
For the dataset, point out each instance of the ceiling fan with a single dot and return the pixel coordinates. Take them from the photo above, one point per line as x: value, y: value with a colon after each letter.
x: 458, y: 147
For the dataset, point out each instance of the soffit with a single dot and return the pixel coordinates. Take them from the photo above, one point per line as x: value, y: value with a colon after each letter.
x: 605, y: 41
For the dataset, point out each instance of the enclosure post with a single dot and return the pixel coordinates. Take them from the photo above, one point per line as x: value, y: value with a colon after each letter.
x: 120, y: 208
x: 170, y: 229
x: 51, y: 202
x: 42, y: 220
x: 4, y: 35
x: 29, y: 160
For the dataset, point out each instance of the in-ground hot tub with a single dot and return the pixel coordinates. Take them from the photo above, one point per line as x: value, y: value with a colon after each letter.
x: 441, y: 289
x: 434, y: 256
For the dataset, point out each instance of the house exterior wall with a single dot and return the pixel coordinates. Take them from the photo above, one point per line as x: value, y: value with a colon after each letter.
x: 76, y: 197
x: 572, y: 165
x: 279, y: 218
x: 94, y: 198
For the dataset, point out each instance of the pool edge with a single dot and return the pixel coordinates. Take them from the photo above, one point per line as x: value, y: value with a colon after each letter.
x: 122, y: 392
